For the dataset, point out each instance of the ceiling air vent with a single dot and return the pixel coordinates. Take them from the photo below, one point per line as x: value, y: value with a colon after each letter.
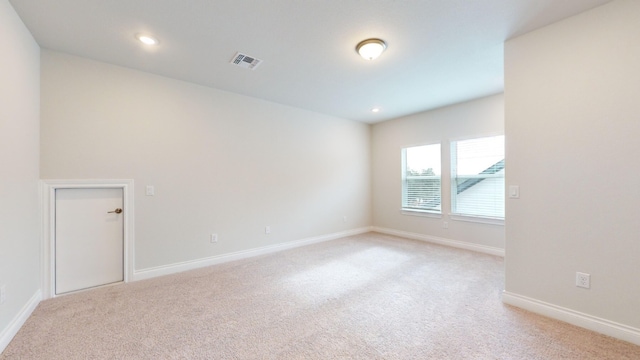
x: 245, y: 61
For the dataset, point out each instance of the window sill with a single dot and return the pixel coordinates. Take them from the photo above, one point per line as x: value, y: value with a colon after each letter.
x: 422, y: 213
x: 477, y: 219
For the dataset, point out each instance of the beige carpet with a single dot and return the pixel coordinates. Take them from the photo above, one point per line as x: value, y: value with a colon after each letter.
x: 364, y: 297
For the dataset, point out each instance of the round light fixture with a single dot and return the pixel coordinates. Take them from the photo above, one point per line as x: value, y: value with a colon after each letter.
x: 371, y: 48
x: 147, y: 39
x: 375, y: 110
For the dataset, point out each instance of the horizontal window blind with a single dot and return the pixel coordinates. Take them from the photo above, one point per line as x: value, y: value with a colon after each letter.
x: 478, y: 177
x: 421, y: 178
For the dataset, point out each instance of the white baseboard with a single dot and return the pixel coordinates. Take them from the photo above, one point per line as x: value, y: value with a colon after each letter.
x: 442, y: 241
x: 14, y: 326
x: 219, y: 259
x: 603, y: 326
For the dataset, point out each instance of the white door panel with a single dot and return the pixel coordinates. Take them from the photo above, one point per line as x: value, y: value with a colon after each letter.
x: 88, y: 239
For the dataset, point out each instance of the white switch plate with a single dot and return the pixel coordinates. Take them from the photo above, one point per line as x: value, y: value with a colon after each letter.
x: 514, y: 191
x: 267, y: 230
x: 3, y: 294
x: 214, y: 238
x: 150, y: 191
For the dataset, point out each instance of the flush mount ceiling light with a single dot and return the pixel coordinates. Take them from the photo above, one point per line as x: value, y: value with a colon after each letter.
x: 371, y: 48
x: 375, y: 110
x: 147, y: 39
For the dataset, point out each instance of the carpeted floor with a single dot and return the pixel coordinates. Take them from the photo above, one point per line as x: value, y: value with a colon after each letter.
x: 369, y: 296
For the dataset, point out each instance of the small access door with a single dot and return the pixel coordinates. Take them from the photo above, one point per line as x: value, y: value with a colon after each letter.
x: 89, y: 238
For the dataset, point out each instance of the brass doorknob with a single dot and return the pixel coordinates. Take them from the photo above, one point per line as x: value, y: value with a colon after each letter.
x: 117, y: 211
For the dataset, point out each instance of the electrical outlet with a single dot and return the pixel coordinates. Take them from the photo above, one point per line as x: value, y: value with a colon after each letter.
x: 445, y: 225
x: 3, y: 294
x: 213, y: 238
x: 344, y: 218
x: 267, y: 230
x: 583, y: 280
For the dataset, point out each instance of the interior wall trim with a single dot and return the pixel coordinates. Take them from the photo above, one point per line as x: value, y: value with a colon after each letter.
x: 602, y: 326
x: 244, y: 254
x: 442, y: 241
x: 14, y: 326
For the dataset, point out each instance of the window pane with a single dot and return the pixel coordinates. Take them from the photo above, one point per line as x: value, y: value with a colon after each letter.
x: 423, y: 160
x: 423, y: 194
x: 421, y: 178
x: 478, y: 177
x: 477, y: 155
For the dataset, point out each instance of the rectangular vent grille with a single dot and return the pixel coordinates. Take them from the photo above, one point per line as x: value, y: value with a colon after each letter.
x: 245, y: 61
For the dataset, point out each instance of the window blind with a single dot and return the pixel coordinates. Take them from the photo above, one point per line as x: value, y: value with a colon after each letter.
x: 478, y: 177
x: 421, y: 178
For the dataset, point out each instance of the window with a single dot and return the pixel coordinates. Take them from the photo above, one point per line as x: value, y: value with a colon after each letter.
x: 421, y: 178
x: 477, y: 177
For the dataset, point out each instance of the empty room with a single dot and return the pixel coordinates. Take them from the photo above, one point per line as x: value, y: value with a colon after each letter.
x: 280, y: 179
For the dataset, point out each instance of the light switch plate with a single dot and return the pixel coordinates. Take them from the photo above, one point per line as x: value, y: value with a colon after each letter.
x: 150, y: 191
x: 514, y: 191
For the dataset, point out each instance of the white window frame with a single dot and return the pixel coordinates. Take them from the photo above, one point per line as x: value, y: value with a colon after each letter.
x: 434, y: 213
x: 456, y: 215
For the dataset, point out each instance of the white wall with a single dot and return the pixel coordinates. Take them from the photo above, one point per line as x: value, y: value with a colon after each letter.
x: 572, y: 95
x: 19, y: 154
x: 220, y: 162
x: 482, y: 117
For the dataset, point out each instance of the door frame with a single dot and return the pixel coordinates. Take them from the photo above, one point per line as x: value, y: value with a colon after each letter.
x: 48, y: 189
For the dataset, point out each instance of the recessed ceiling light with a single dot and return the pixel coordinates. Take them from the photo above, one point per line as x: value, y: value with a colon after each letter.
x: 147, y: 39
x: 375, y: 110
x: 371, y: 48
